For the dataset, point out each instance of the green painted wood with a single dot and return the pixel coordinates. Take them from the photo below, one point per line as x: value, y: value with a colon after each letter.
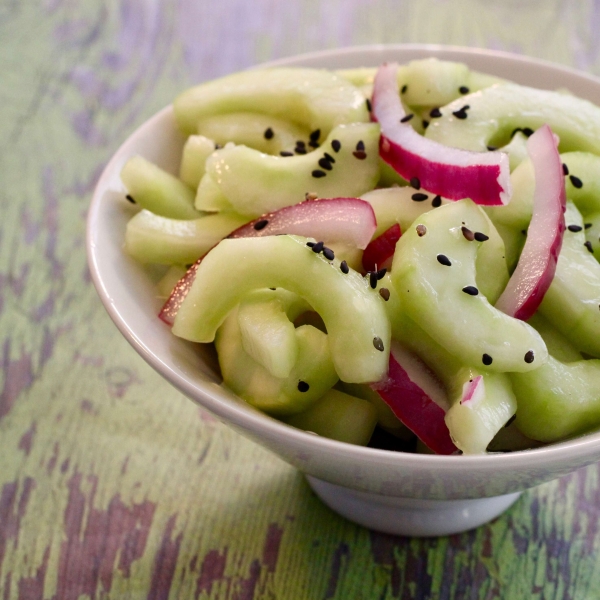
x: 112, y: 485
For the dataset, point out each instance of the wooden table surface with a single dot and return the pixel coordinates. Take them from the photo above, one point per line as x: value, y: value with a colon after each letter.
x: 112, y: 484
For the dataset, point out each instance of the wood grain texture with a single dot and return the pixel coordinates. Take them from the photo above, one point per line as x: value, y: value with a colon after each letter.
x: 112, y: 485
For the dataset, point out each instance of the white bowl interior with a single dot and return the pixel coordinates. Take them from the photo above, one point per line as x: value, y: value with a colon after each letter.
x: 128, y: 293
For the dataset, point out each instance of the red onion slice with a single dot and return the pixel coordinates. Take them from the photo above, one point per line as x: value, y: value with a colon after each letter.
x: 347, y: 220
x: 380, y: 251
x: 403, y: 391
x: 450, y: 172
x: 537, y: 264
x: 473, y: 391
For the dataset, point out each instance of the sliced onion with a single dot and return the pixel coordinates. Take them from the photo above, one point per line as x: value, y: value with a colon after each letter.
x: 450, y: 172
x: 404, y: 392
x: 347, y: 220
x: 473, y: 391
x: 537, y: 264
x: 380, y: 251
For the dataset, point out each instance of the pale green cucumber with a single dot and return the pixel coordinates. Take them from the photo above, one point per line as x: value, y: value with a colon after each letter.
x: 558, y: 400
x: 510, y: 439
x: 265, y: 319
x: 353, y: 313
x: 558, y: 345
x: 311, y: 376
x: 264, y: 133
x: 432, y: 293
x: 255, y: 183
x: 585, y: 167
x: 158, y: 191
x: 209, y: 196
x: 167, y: 282
x: 150, y: 238
x: 516, y: 150
x: 340, y: 417
x: 317, y: 99
x: 196, y: 150
x: 514, y: 240
x: 592, y: 232
x: 395, y: 205
x: 572, y: 301
x: 495, y: 112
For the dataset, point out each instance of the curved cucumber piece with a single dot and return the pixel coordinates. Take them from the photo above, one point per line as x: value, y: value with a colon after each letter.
x: 430, y: 272
x: 255, y: 183
x: 196, y: 150
x: 265, y: 319
x: 338, y: 416
x: 264, y: 133
x: 592, y: 232
x: 168, y: 281
x: 353, y: 313
x: 516, y: 150
x: 209, y: 196
x: 558, y: 400
x: 495, y: 112
x: 318, y: 99
x: 558, y: 345
x: 572, y: 301
x: 277, y: 396
x: 158, y: 191
x: 396, y: 205
x: 584, y: 167
x: 150, y: 238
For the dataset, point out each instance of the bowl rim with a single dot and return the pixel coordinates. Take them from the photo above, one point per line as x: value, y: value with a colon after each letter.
x: 577, y: 448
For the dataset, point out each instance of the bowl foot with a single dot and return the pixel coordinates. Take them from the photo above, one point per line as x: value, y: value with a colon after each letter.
x: 410, y: 516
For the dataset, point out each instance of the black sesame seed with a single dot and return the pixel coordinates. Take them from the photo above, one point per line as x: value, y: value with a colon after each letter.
x: 303, y: 386
x: 260, y: 224
x: 415, y: 182
x: 471, y: 290
x: 588, y: 245
x: 407, y: 118
x: 443, y: 260
x: 529, y: 357
x: 344, y: 268
x: 419, y: 197
x: 425, y: 124
x: 565, y: 169
x: 575, y: 228
x: 360, y: 146
x: 463, y: 89
x: 336, y: 145
x: 325, y: 164
x: 131, y: 199
x: 469, y: 235
x: 300, y: 150
x: 404, y: 89
x: 369, y: 107
x: 328, y: 253
x: 486, y: 359
x: 300, y: 143
x: 527, y: 131
x: 381, y: 273
x: 492, y: 148
x: 310, y: 244
x: 268, y: 133
x: 318, y: 247
x: 315, y: 135
x: 509, y: 422
x: 286, y: 153
x: 384, y: 293
x: 481, y: 237
x: 313, y: 144
x: 437, y: 201
x: 316, y: 173
x: 460, y: 114
x: 378, y: 343
x: 587, y: 225
x: 421, y: 230
x: 577, y: 183
x: 329, y: 157
x: 435, y: 113
x: 372, y: 279
x: 360, y: 154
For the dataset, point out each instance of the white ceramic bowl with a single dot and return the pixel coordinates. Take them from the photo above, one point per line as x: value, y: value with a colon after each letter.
x: 399, y: 493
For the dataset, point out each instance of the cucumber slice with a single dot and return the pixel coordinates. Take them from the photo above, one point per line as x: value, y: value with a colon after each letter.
x: 265, y: 319
x: 572, y: 300
x: 209, y: 196
x: 584, y: 170
x: 495, y: 112
x: 150, y: 238
x: 158, y: 191
x: 353, y: 313
x: 264, y: 133
x: 558, y: 400
x: 516, y: 150
x: 338, y: 416
x: 558, y: 345
x: 592, y: 232
x: 196, y: 150
x: 168, y: 281
x: 318, y: 99
x: 311, y: 376
x: 255, y: 183
x: 432, y: 293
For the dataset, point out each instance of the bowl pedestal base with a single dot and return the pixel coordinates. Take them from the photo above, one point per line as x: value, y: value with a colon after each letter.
x: 410, y: 516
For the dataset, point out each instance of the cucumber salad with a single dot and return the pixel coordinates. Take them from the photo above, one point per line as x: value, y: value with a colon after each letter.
x: 403, y: 256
